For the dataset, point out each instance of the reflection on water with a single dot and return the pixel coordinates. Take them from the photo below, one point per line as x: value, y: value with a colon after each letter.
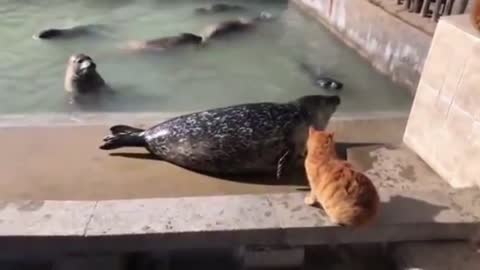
x: 255, y: 66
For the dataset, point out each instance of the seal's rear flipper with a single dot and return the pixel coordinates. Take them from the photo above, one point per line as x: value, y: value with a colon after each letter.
x: 118, y: 129
x: 123, y: 140
x: 124, y: 136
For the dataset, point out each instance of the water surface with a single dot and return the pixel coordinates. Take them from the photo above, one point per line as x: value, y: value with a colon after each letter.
x: 258, y: 66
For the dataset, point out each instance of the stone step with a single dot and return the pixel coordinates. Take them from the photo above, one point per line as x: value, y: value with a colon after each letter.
x: 236, y: 220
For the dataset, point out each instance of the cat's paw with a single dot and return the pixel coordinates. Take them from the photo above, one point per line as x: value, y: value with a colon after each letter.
x: 309, y: 200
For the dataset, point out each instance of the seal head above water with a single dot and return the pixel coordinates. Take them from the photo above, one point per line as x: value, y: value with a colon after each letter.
x: 320, y: 79
x: 241, y: 139
x: 82, y: 78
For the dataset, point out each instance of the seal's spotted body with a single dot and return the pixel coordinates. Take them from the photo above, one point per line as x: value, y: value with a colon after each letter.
x: 248, y: 138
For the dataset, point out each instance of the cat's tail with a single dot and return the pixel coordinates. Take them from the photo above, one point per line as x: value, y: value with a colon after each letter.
x: 124, y: 136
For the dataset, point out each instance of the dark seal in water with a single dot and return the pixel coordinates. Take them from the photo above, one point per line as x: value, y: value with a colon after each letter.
x: 234, y: 26
x: 219, y: 8
x: 164, y: 43
x: 320, y: 79
x: 240, y: 139
x: 70, y: 33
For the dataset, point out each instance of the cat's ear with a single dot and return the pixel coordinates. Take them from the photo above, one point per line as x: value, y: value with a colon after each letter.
x: 311, y: 130
x: 330, y: 135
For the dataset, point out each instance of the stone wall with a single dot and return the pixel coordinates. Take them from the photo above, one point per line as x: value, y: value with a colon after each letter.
x: 444, y: 123
x: 391, y: 45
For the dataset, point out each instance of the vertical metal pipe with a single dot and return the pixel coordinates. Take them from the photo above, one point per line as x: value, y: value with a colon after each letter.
x: 418, y: 6
x: 408, y: 3
x: 436, y: 12
x: 463, y: 6
x: 426, y: 7
x: 449, y: 7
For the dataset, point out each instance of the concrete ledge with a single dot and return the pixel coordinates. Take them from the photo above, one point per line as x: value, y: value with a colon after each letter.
x: 61, y: 170
x: 274, y: 219
x: 75, y: 119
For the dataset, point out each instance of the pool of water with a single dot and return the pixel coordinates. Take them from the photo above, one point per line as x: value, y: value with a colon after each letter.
x: 258, y: 66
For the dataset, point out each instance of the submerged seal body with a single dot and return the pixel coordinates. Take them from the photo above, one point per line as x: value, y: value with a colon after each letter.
x: 67, y: 33
x: 82, y: 78
x: 219, y: 8
x: 160, y: 44
x: 228, y: 27
x: 319, y: 79
x: 240, y: 139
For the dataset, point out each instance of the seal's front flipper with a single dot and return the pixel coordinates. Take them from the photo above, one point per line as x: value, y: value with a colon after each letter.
x: 282, y: 163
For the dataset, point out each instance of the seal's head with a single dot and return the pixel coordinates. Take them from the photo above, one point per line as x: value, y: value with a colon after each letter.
x: 81, y: 75
x: 318, y: 109
x: 81, y: 64
x: 49, y: 33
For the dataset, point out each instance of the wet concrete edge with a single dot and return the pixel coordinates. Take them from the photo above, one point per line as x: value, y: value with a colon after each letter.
x: 235, y: 219
x: 60, y: 119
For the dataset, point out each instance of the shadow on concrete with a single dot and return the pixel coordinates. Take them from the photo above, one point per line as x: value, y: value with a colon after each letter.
x: 340, y: 147
x: 135, y: 155
x: 295, y: 176
x: 400, y: 209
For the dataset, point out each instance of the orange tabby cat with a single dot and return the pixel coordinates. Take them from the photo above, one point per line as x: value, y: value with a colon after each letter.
x: 348, y: 197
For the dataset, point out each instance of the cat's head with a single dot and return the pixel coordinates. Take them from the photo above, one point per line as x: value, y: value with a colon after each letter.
x: 319, y: 139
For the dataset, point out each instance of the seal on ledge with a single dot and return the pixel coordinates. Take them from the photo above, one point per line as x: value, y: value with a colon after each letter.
x: 240, y: 139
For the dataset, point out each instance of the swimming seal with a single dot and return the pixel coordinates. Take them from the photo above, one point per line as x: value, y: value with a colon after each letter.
x: 68, y: 33
x: 82, y: 78
x: 241, y: 139
x: 219, y: 8
x: 233, y: 26
x: 160, y: 44
x: 319, y: 79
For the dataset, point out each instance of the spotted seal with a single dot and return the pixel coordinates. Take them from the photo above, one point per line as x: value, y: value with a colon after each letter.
x: 82, y: 78
x: 219, y: 8
x: 228, y: 27
x: 240, y: 139
x: 69, y: 33
x: 164, y: 43
x: 319, y: 79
